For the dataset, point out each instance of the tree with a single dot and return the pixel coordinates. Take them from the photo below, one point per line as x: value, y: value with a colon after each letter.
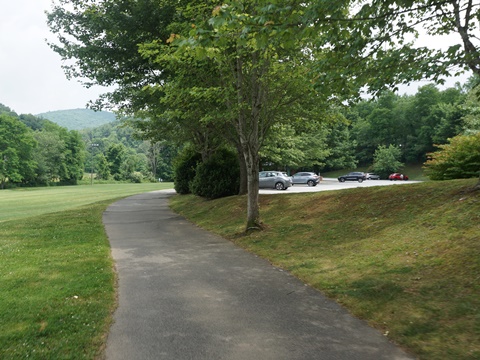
x: 50, y: 157
x: 260, y: 51
x: 386, y: 160
x: 99, y: 41
x: 102, y: 167
x: 74, y: 157
x: 7, y: 111
x: 133, y: 163
x: 17, y: 145
x: 152, y: 151
x: 115, y: 154
x: 60, y: 156
x: 342, y: 148
x: 287, y: 147
x: 471, y: 106
x: 382, y: 34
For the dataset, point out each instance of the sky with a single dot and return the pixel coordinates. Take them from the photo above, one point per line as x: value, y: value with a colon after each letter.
x: 31, y: 78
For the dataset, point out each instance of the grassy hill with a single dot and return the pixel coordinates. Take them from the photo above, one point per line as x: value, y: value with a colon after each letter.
x: 404, y: 258
x: 77, y: 119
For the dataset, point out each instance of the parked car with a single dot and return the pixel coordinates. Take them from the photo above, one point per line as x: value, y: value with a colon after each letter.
x: 397, y: 176
x: 309, y: 178
x: 371, y: 176
x: 274, y: 180
x: 353, y: 176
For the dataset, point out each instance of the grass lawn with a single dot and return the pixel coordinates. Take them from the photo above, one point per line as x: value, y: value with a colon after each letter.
x: 57, y: 282
x: 404, y: 258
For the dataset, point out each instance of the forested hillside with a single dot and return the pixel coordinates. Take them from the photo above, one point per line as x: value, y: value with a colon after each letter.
x: 35, y: 151
x: 77, y: 119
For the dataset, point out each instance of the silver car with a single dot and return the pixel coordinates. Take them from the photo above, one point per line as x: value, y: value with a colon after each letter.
x: 309, y: 178
x: 371, y: 176
x: 274, y: 180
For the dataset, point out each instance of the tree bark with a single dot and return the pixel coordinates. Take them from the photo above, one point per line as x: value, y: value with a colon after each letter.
x: 253, y: 206
x: 471, y: 52
x: 243, y: 171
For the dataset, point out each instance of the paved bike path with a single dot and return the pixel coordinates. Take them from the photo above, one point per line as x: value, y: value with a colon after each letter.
x: 187, y: 294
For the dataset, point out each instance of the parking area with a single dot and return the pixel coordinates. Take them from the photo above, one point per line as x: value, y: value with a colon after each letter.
x: 333, y: 184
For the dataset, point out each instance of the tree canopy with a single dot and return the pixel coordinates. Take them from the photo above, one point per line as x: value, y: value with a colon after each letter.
x: 16, y: 149
x: 214, y: 74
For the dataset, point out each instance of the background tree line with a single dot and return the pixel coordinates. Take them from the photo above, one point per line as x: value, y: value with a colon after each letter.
x: 414, y: 123
x: 37, y: 152
x: 117, y: 153
x: 409, y: 126
x: 390, y: 129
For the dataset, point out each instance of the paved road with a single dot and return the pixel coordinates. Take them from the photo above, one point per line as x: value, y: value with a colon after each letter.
x: 187, y: 294
x: 333, y: 184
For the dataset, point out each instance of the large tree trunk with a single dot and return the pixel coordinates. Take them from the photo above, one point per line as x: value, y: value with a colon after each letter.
x: 253, y: 206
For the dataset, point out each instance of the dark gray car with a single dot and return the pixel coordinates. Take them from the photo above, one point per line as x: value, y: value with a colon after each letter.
x: 353, y: 176
x: 274, y: 180
x: 309, y: 178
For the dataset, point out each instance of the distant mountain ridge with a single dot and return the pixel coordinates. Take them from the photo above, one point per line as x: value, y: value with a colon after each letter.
x: 78, y: 119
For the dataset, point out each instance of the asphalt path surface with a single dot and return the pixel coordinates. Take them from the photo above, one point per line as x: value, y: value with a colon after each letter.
x: 185, y: 293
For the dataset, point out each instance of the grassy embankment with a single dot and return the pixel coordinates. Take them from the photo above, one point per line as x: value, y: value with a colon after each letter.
x: 57, y: 282
x: 404, y: 258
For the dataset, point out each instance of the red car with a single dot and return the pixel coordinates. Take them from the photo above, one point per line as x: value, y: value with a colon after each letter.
x: 398, y: 176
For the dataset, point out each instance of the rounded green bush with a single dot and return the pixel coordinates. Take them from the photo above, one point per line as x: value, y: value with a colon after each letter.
x: 218, y: 177
x: 184, y: 168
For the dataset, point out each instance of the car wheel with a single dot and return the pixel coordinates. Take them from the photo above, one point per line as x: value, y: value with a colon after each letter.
x: 360, y: 180
x: 311, y: 183
x: 279, y: 186
x: 341, y: 180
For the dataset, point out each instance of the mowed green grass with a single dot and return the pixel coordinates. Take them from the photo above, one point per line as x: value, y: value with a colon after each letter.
x: 57, y: 281
x: 27, y: 202
x: 404, y: 258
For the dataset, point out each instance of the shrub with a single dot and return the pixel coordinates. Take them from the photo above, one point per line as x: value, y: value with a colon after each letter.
x: 217, y: 177
x: 184, y: 167
x: 136, y: 177
x: 459, y: 159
